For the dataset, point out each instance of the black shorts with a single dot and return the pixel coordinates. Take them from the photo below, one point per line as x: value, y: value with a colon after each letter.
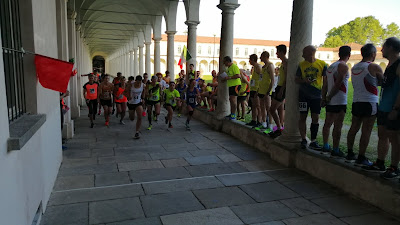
x: 260, y: 95
x: 106, y: 102
x: 382, y: 120
x: 233, y: 91
x: 241, y: 98
x: 119, y: 103
x: 173, y: 107
x: 275, y: 94
x: 92, y: 105
x: 253, y: 94
x: 133, y: 106
x: 149, y: 102
x: 364, y: 109
x: 336, y: 108
x: 308, y: 104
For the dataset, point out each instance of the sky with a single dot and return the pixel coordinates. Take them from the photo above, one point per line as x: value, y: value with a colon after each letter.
x: 270, y: 19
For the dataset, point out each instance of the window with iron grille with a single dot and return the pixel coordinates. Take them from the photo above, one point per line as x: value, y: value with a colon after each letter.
x: 13, y: 58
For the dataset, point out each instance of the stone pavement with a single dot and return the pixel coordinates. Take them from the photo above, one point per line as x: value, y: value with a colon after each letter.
x: 179, y: 177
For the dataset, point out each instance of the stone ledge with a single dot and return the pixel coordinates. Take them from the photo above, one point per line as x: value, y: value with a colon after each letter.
x: 367, y: 186
x: 23, y: 129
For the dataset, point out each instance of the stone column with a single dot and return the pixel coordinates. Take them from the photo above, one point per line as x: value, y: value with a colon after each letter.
x: 191, y: 43
x: 127, y: 66
x: 131, y: 64
x: 135, y: 61
x: 141, y: 70
x: 226, y: 49
x: 75, y: 109
x: 170, y: 52
x: 147, y: 59
x: 157, y: 55
x: 300, y: 36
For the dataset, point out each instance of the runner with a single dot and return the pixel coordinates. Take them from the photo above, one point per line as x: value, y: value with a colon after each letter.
x: 278, y: 97
x: 334, y: 98
x: 244, y: 87
x: 181, y: 89
x: 191, y: 96
x: 191, y: 74
x: 233, y: 82
x: 115, y: 82
x: 134, y: 93
x: 213, y: 93
x: 145, y: 78
x: 265, y: 90
x: 204, y: 91
x: 153, y: 99
x: 167, y: 77
x: 104, y: 97
x: 364, y: 76
x: 120, y: 99
x: 90, y: 95
x: 254, y: 83
x: 171, y: 99
x: 162, y: 82
x: 309, y: 75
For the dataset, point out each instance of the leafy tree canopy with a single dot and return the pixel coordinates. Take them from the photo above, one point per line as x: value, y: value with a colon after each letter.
x: 361, y: 30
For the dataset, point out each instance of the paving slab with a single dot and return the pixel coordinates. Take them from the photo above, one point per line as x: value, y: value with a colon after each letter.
x: 133, y: 157
x: 70, y: 163
x: 170, y: 203
x: 246, y: 154
x: 174, y: 162
x: 99, y: 152
x: 371, y: 219
x: 108, y: 179
x: 174, y: 146
x: 207, y: 144
x: 95, y: 194
x: 243, y: 178
x: 302, y: 206
x: 115, y: 210
x: 211, y: 169
x: 256, y: 213
x: 287, y: 175
x: 89, y: 169
x: 261, y: 165
x: 140, y: 165
x: 73, y: 182
x: 143, y: 221
x: 220, y: 197
x: 62, y: 214
x: 201, y: 160
x: 158, y: 174
x: 270, y: 223
x: 181, y: 185
x: 229, y: 157
x: 312, y: 188
x: 170, y: 155
x: 77, y: 153
x: 344, y: 206
x: 216, y: 151
x: 268, y: 191
x: 315, y: 219
x: 220, y: 216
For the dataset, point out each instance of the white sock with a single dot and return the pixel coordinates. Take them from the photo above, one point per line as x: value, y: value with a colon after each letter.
x: 264, y: 124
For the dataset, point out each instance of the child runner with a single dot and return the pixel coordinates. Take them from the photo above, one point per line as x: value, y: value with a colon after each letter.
x: 191, y: 95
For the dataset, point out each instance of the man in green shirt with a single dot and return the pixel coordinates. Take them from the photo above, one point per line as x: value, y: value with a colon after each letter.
x: 233, y: 81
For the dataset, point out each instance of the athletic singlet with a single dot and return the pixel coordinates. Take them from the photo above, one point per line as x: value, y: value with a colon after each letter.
x: 136, y: 94
x: 390, y: 88
x: 365, y: 85
x: 170, y: 96
x: 91, y: 90
x: 341, y: 96
x: 120, y: 97
x: 154, y: 93
x: 255, y: 79
x: 191, y: 96
x: 265, y: 81
x: 282, y: 77
x: 181, y: 90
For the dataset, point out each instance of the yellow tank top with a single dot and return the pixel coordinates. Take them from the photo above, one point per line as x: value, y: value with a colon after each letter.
x: 265, y: 80
x: 282, y: 77
x: 255, y: 80
x: 313, y: 71
x: 243, y: 88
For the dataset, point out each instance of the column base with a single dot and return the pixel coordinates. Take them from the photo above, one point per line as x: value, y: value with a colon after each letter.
x: 68, y: 130
x: 75, y: 112
x: 289, y: 138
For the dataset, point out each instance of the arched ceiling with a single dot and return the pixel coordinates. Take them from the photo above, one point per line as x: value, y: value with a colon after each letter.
x: 108, y: 25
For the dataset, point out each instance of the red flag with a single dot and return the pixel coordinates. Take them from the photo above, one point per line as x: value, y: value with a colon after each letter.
x: 53, y: 74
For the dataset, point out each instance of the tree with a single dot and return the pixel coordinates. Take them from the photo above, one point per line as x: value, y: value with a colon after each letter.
x: 361, y: 30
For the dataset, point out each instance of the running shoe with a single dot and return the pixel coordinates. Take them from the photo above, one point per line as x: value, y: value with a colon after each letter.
x: 326, y: 150
x: 211, y: 110
x: 149, y: 128
x: 261, y: 127
x: 137, y: 136
x: 315, y: 146
x: 390, y: 173
x: 338, y: 154
x: 268, y: 131
x: 232, y: 117
x: 350, y: 156
x: 166, y: 120
x: 276, y: 133
x: 179, y: 115
x: 170, y: 126
x: 107, y: 124
x: 375, y: 168
x: 122, y: 122
x: 303, y: 144
x: 187, y: 126
x: 363, y: 161
x: 91, y: 125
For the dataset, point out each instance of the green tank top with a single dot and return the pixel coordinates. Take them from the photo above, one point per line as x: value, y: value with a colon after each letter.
x: 265, y: 80
x: 154, y: 93
x: 255, y: 80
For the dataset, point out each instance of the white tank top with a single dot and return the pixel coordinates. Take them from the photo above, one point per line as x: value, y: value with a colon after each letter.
x: 341, y: 96
x: 365, y: 85
x: 136, y: 94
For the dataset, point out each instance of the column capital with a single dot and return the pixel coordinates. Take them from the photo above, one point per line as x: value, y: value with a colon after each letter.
x: 192, y: 23
x: 170, y: 32
x: 147, y: 43
x: 157, y: 39
x: 228, y: 7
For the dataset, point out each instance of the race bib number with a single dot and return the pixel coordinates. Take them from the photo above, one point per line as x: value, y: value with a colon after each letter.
x: 191, y: 100
x: 172, y: 102
x: 136, y: 97
x: 252, y: 83
x: 154, y: 98
x: 120, y: 96
x: 303, y: 106
x: 92, y: 90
